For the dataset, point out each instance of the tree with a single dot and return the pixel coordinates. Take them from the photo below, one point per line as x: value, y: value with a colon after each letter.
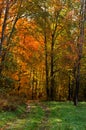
x: 79, y: 50
x: 8, y: 21
x: 49, y: 19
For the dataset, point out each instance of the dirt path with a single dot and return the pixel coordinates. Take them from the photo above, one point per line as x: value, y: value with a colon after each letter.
x: 44, y: 125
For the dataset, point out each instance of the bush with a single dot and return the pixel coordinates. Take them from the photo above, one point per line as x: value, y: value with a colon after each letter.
x: 10, y: 103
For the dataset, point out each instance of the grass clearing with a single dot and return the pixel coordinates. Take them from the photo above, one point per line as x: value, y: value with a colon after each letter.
x: 62, y: 116
x: 65, y: 116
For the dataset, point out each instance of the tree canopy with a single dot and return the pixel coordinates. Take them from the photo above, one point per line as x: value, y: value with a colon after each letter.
x: 42, y: 49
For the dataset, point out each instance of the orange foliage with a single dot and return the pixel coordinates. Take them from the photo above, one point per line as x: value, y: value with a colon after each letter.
x: 26, y: 39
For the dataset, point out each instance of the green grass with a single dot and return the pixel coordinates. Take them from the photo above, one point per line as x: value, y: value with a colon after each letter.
x: 6, y: 117
x: 62, y: 116
x: 65, y: 116
x: 19, y: 120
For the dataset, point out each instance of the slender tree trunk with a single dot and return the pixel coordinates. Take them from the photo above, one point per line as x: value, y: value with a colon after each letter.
x: 52, y: 78
x: 46, y: 58
x: 4, y: 25
x: 52, y: 85
x: 46, y: 70
x: 77, y: 85
x: 69, y: 89
x: 33, y: 87
x: 80, y: 49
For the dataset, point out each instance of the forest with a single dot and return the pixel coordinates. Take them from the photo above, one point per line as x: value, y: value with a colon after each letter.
x: 43, y: 49
x: 42, y: 64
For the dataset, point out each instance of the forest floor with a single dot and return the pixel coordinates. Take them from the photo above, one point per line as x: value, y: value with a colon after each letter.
x: 45, y: 116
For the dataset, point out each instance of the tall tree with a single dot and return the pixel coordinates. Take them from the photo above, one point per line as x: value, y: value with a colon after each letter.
x: 9, y: 16
x: 80, y: 49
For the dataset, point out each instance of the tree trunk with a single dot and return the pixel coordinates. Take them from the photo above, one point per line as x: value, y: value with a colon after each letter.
x: 4, y: 25
x: 52, y: 82
x: 69, y: 89
x: 77, y: 85
x: 79, y: 50
x: 46, y: 70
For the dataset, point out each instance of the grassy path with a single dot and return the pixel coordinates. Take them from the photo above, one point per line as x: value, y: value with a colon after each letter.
x: 22, y: 119
x: 44, y: 125
x: 37, y: 118
x: 45, y: 116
